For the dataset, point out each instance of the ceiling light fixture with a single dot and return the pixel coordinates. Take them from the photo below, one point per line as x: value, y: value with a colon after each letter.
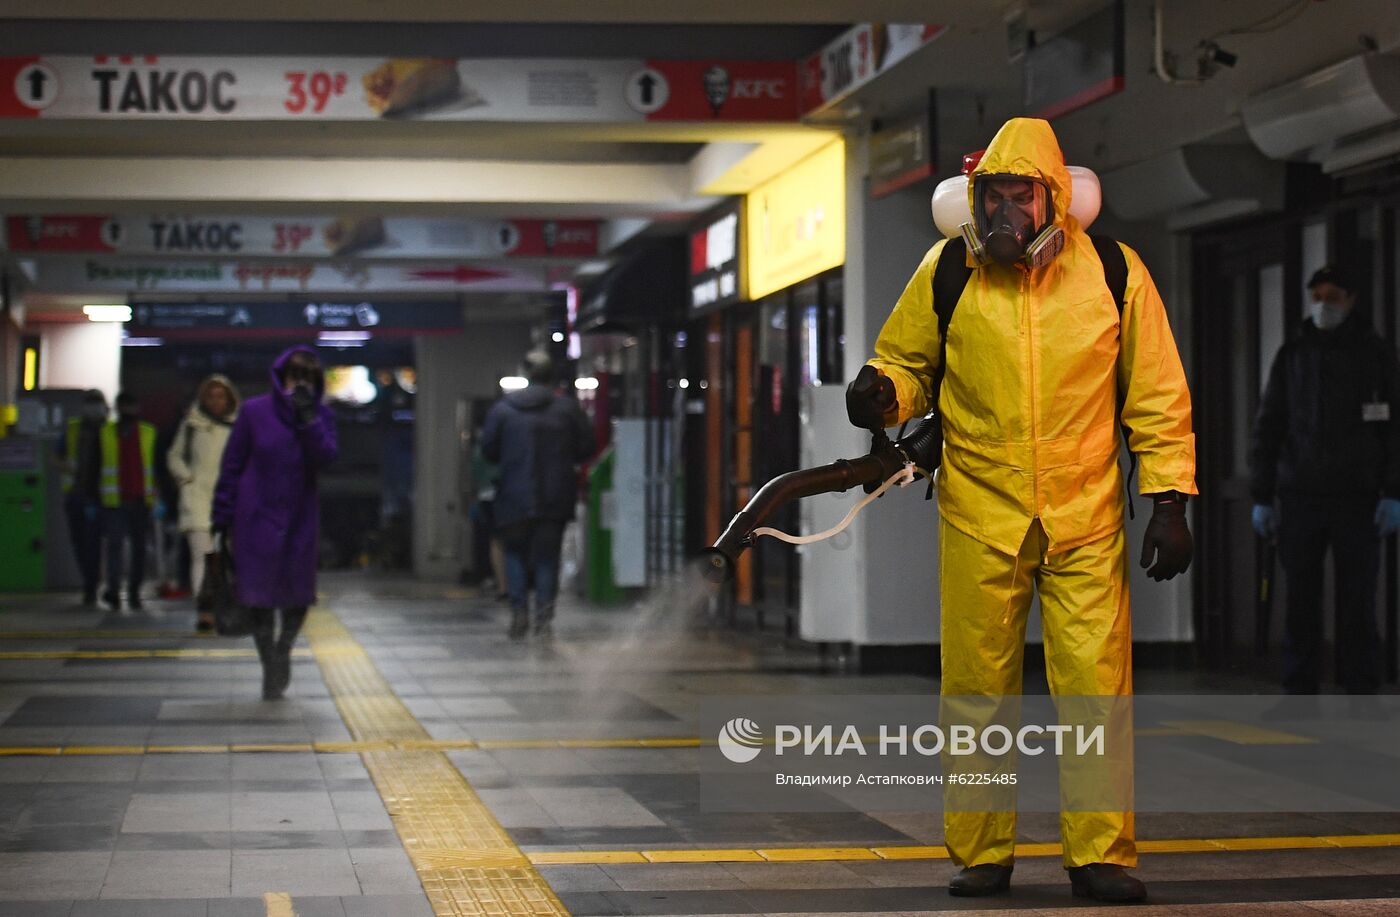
x: 107, y: 313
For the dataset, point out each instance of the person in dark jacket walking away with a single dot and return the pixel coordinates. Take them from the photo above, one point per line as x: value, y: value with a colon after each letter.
x: 1327, y: 448
x: 537, y: 437
x: 81, y: 462
x: 266, y: 503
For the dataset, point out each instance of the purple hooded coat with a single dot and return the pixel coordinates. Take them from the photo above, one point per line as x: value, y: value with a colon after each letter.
x: 266, y: 495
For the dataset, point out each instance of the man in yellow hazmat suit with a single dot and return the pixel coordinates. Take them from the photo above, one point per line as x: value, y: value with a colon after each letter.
x: 1038, y: 359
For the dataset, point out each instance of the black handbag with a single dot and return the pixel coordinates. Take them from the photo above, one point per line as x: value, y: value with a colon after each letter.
x: 216, y: 594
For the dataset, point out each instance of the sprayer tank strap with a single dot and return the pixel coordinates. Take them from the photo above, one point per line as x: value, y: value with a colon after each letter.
x: 950, y: 276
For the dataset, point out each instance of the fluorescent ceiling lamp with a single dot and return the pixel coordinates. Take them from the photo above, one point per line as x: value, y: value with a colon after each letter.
x: 343, y: 337
x: 107, y: 313
x: 589, y: 268
x: 142, y: 342
x: 514, y: 383
x: 586, y: 383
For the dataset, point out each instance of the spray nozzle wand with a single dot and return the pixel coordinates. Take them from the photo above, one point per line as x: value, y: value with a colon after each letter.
x: 888, y: 463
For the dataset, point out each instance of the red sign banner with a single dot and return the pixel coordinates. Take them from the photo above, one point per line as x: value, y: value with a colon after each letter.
x: 302, y: 236
x: 105, y: 87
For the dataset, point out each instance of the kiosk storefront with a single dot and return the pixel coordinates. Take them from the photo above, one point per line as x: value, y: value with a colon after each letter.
x: 779, y: 331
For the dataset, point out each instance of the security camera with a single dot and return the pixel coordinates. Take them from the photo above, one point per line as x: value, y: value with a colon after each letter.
x: 1210, y: 57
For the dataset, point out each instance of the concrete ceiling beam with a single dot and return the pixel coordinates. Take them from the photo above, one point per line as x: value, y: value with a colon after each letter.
x: 773, y: 12
x: 51, y: 184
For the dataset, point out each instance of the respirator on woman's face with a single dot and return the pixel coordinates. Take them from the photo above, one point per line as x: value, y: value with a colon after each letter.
x: 1013, y: 221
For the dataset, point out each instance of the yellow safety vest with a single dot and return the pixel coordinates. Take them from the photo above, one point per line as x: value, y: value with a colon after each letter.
x: 111, y: 462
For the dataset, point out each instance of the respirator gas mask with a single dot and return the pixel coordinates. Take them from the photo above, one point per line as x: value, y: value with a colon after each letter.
x: 1013, y: 222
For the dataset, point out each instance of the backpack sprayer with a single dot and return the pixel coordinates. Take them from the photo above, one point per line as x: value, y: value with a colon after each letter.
x: 889, y: 463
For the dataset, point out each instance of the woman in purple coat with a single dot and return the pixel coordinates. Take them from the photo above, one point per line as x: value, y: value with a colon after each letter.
x: 266, y: 504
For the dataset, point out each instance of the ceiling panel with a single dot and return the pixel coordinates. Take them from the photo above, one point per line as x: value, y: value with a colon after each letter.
x: 536, y: 11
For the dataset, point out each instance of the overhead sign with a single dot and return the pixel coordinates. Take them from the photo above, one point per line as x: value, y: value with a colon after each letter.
x: 714, y: 262
x: 795, y: 225
x: 230, y: 319
x: 193, y: 276
x: 375, y: 88
x: 315, y: 237
x: 902, y: 152
x: 1077, y: 67
x: 860, y: 54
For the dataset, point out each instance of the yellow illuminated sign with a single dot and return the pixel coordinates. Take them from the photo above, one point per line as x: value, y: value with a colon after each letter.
x: 31, y: 369
x: 795, y: 224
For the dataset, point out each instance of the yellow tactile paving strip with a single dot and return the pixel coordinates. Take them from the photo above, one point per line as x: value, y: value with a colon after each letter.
x: 466, y: 861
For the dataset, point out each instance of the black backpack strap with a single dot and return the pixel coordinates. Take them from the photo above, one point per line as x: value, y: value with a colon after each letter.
x: 1115, y: 275
x: 1115, y: 267
x: 950, y: 276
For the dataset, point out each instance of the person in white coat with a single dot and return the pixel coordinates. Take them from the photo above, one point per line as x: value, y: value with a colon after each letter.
x: 194, y: 460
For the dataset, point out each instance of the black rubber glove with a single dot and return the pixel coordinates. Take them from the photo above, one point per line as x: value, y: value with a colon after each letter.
x: 1167, y: 537
x: 303, y: 403
x: 869, y: 398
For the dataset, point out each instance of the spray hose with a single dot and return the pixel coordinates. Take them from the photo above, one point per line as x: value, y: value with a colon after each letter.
x: 887, y: 464
x: 905, y: 476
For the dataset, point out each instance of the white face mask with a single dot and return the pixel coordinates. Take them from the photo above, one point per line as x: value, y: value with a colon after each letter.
x: 1326, y: 315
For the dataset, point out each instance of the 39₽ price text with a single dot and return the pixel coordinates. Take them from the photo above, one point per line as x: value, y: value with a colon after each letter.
x: 312, y: 91
x: 290, y: 236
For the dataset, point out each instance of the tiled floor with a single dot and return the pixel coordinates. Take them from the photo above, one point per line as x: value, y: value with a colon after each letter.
x: 212, y: 832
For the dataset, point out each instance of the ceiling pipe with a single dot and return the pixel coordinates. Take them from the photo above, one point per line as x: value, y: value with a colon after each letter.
x: 1159, y: 53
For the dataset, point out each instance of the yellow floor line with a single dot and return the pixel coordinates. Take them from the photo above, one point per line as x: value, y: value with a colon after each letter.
x: 279, y: 904
x: 489, y: 744
x: 99, y: 750
x: 426, y: 744
x: 467, y: 862
x: 836, y: 854
x: 20, y: 751
x: 104, y: 635
x: 1238, y: 733
x: 186, y: 749
x: 331, y: 748
x: 218, y: 653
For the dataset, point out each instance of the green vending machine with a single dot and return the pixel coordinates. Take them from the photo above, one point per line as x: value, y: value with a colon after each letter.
x: 599, y: 584
x: 23, y: 514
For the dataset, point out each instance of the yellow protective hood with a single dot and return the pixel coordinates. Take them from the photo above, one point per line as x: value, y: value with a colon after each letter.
x: 1027, y: 147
